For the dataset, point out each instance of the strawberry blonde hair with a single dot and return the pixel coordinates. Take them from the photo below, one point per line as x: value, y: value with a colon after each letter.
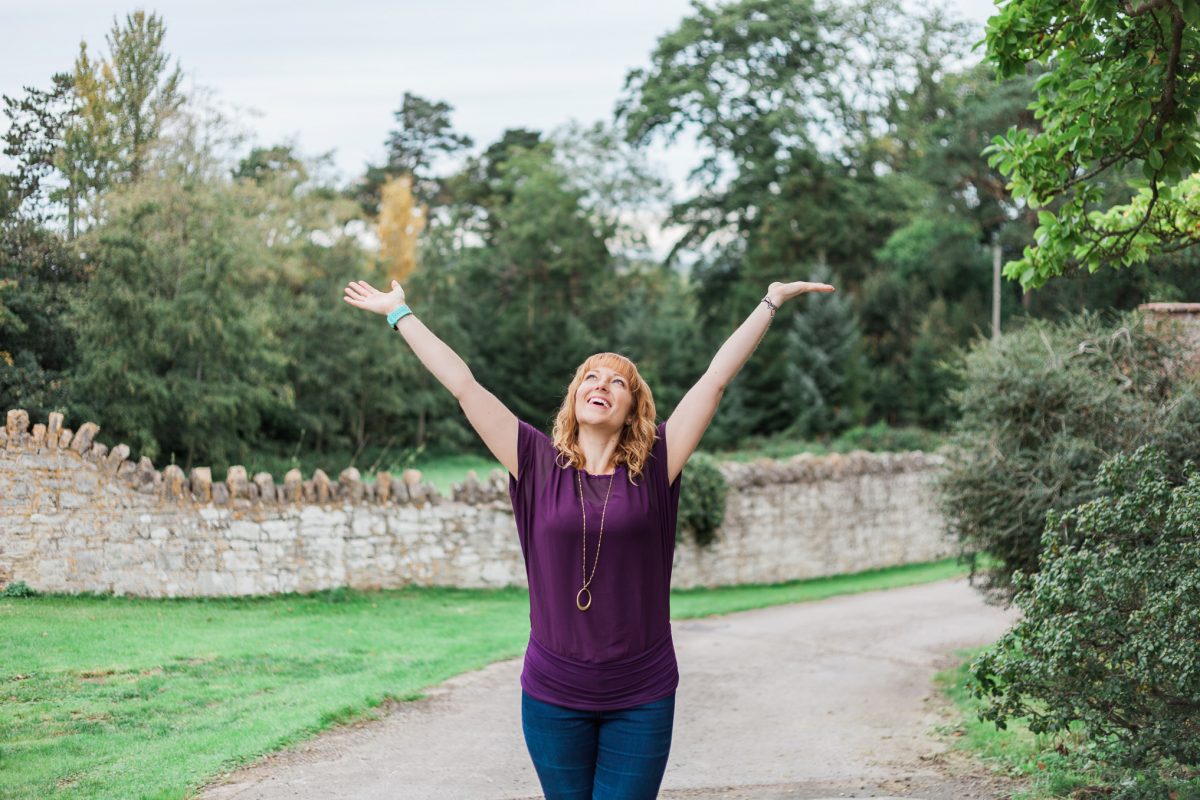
x: 637, y: 438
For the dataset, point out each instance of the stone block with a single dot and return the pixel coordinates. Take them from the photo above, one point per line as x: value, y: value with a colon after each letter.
x: 244, y: 530
x: 54, y: 428
x: 116, y: 457
x: 17, y: 423
x: 201, y: 484
x: 350, y: 485
x: 98, y: 453
x: 65, y: 438
x: 411, y: 477
x: 3, y: 438
x: 383, y: 487
x: 293, y: 486
x: 147, y: 474
x: 278, y: 530
x: 266, y: 486
x: 236, y: 481
x: 127, y: 470
x: 84, y: 437
x: 322, y: 486
x: 220, y: 493
x: 68, y: 500
x: 214, y: 582
x: 174, y: 483
x: 38, y: 438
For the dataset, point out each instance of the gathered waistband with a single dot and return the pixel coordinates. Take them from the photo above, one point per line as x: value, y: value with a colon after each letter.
x: 554, y: 678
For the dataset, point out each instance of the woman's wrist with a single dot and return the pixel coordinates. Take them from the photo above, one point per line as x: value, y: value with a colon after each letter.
x: 775, y: 295
x: 400, y: 312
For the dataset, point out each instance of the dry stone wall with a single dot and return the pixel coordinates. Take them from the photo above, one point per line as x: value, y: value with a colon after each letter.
x: 76, y: 515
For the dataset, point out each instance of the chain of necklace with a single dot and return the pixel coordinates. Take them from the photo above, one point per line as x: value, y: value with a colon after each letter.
x: 587, y: 579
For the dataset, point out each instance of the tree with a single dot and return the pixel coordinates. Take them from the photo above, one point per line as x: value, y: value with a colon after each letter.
x: 177, y: 349
x: 823, y: 361
x: 139, y: 90
x: 423, y: 134
x: 123, y: 102
x: 542, y: 292
x: 37, y: 125
x: 38, y: 275
x: 1120, y: 94
x: 401, y: 221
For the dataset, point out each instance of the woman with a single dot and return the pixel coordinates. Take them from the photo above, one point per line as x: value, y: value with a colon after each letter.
x: 595, y: 509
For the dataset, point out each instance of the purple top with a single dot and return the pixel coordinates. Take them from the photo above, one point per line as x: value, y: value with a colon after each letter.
x: 619, y: 652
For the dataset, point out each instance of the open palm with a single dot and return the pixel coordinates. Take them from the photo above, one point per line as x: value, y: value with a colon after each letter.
x: 363, y: 295
x: 786, y: 291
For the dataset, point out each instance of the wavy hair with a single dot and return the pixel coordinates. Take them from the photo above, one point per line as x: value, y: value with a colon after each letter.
x: 637, y: 439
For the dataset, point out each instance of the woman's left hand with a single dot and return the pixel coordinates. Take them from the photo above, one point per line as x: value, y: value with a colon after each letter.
x: 779, y: 292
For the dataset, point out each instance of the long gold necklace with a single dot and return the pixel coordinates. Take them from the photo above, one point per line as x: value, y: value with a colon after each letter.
x: 587, y: 579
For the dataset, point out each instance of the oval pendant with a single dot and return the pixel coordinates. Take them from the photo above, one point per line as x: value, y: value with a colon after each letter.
x: 579, y: 599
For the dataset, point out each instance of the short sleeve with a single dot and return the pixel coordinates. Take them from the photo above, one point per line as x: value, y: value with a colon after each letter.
x: 531, y: 451
x: 666, y: 492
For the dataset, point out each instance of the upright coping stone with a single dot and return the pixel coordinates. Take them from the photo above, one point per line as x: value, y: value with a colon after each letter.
x: 18, y: 424
x: 350, y: 483
x: 201, y: 480
x: 321, y: 486
x: 383, y: 487
x: 266, y: 486
x: 174, y: 481
x: 237, y: 481
x: 84, y: 437
x: 54, y: 429
x: 293, y: 489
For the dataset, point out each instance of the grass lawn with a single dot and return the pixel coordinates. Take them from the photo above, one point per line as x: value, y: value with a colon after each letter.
x: 124, y: 698
x: 1051, y: 762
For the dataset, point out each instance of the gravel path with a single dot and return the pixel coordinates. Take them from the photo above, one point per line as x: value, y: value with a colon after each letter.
x: 805, y: 702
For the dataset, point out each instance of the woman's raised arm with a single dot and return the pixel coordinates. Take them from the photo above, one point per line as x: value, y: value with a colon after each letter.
x: 491, y: 419
x: 691, y: 417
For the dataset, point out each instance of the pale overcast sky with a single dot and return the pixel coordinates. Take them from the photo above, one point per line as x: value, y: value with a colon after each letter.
x: 329, y: 76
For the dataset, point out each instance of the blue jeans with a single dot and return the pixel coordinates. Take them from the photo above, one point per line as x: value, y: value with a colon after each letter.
x: 599, y: 755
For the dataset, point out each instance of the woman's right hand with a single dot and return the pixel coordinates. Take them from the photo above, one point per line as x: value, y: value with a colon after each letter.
x: 364, y: 295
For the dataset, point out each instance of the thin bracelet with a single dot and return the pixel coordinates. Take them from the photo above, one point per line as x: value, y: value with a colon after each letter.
x: 770, y: 305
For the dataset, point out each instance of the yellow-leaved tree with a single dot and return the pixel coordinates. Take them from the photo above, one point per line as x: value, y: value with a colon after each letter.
x: 401, y: 220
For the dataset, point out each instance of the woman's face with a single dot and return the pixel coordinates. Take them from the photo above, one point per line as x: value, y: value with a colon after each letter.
x: 603, y: 399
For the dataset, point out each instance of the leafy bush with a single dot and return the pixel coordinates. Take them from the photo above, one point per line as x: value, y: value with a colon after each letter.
x: 19, y: 589
x: 1040, y: 411
x: 702, y: 499
x: 1110, y: 634
x: 882, y: 437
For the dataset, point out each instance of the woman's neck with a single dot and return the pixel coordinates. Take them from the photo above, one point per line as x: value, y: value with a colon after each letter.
x: 599, y: 450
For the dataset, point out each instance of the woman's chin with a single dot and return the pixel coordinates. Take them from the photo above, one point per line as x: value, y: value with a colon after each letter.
x: 596, y: 419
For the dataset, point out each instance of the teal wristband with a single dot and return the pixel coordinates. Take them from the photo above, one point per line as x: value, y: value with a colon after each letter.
x: 398, y: 314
